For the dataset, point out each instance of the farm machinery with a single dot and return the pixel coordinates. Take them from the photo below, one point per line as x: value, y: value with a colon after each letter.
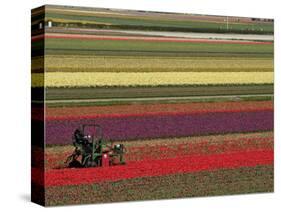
x: 92, y: 150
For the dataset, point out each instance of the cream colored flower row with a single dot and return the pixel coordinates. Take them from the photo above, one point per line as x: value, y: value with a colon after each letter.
x: 82, y: 79
x: 135, y: 64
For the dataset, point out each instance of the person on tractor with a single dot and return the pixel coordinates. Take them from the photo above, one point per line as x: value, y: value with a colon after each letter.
x: 80, y: 138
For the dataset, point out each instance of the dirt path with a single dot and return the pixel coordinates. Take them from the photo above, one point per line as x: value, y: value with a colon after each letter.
x: 193, y: 35
x: 153, y: 38
x: 154, y: 99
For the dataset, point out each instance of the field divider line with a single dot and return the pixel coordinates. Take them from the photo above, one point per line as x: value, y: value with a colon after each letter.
x: 152, y: 98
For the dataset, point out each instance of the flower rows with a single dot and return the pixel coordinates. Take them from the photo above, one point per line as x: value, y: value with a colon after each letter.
x: 145, y: 127
x: 173, y: 147
x: 53, y: 113
x: 98, y: 79
x: 158, y: 168
x: 148, y: 64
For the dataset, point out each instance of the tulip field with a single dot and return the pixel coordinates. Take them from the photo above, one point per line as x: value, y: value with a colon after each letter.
x: 196, y: 115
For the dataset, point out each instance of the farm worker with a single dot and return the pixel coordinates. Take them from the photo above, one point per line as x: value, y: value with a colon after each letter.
x: 79, y: 137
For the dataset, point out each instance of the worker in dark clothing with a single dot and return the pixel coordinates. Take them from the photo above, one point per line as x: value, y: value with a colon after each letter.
x: 80, y: 137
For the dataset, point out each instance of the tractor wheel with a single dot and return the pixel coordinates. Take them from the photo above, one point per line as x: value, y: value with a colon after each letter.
x: 75, y: 164
x: 90, y: 163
